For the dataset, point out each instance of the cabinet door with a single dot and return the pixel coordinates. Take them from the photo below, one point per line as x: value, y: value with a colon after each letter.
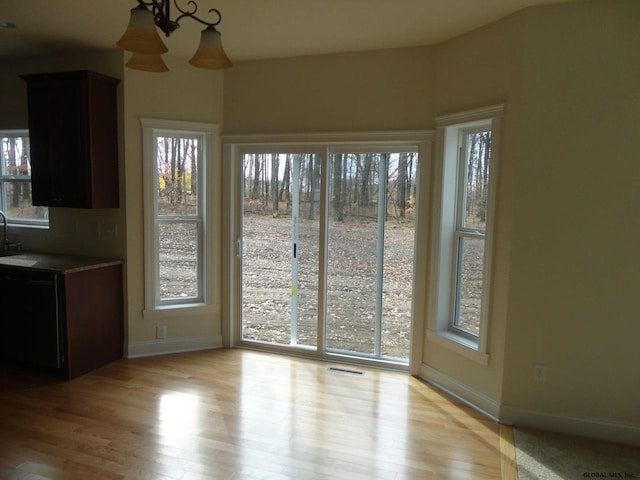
x: 94, y: 318
x: 59, y: 148
x: 31, y: 320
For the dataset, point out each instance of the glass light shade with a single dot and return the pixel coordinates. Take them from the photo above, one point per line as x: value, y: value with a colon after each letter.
x: 141, y: 35
x: 210, y: 53
x: 147, y: 62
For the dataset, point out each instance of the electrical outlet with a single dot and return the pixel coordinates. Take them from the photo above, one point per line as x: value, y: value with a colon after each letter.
x: 161, y: 332
x: 540, y: 373
x: 110, y: 230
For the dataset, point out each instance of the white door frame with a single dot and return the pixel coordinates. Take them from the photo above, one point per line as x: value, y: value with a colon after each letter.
x: 234, y: 146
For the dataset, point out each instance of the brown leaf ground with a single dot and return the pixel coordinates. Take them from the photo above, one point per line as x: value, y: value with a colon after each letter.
x: 351, y: 282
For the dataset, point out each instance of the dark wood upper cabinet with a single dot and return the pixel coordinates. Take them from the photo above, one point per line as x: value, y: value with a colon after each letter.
x: 74, y: 141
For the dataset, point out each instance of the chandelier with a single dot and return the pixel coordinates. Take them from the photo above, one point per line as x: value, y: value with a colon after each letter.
x: 142, y: 38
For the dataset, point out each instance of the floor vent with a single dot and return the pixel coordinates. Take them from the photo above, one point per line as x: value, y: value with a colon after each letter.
x: 345, y: 370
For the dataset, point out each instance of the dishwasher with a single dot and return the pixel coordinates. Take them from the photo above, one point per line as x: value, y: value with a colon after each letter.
x: 31, y: 304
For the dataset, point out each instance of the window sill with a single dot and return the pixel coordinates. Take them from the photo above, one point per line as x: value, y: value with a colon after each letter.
x: 458, y: 344
x: 179, y: 311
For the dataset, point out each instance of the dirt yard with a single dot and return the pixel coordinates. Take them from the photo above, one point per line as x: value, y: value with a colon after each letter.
x: 351, y: 285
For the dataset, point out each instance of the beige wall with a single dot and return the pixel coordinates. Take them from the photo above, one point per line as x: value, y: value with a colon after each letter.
x: 575, y: 267
x: 184, y: 93
x: 380, y: 90
x: 566, y: 272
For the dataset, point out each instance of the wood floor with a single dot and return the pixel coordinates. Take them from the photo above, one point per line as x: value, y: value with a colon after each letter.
x: 235, y: 414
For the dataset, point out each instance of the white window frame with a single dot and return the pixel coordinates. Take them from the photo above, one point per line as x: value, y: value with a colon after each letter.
x: 155, y: 306
x: 5, y: 179
x: 448, y: 169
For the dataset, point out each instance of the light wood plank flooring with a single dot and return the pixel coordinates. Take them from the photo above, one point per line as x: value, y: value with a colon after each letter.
x: 236, y: 414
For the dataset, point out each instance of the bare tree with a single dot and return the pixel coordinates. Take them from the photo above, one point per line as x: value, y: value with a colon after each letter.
x: 314, y: 186
x: 338, y: 203
x: 365, y: 196
x: 255, y: 190
x: 193, y: 156
x: 275, y: 166
x: 15, y: 165
x: 482, y: 214
x: 285, y: 187
x: 401, y: 188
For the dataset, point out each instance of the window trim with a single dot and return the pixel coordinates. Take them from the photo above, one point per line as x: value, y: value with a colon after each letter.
x: 21, y: 222
x: 443, y: 252
x: 202, y: 304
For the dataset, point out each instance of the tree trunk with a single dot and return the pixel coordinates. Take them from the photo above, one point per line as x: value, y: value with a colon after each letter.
x: 255, y: 192
x: 338, y: 210
x: 311, y: 185
x: 365, y: 197
x: 485, y: 176
x: 13, y: 170
x: 285, y: 193
x: 193, y: 154
x: 275, y: 165
x: 401, y: 191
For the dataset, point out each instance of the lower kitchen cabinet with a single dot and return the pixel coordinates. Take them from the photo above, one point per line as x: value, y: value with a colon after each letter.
x: 68, y: 320
x: 31, y: 320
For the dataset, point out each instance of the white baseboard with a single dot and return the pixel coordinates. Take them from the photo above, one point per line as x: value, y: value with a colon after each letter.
x: 477, y: 400
x: 539, y: 420
x: 579, y: 426
x: 173, y: 345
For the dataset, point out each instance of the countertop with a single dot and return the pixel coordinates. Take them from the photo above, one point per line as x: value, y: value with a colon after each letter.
x: 55, y: 263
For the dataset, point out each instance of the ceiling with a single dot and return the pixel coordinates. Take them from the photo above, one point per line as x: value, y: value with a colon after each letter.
x: 254, y: 29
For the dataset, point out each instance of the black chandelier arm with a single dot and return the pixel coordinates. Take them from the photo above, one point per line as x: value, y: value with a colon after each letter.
x: 161, y: 10
x: 192, y: 13
x: 157, y: 6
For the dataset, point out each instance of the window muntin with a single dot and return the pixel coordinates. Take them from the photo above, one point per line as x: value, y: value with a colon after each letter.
x: 15, y: 181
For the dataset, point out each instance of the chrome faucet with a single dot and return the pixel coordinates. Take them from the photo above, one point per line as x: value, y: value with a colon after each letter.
x: 5, y: 242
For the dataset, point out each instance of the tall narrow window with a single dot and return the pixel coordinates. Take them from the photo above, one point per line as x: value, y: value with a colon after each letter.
x: 175, y: 212
x: 466, y: 164
x: 470, y: 229
x: 15, y: 181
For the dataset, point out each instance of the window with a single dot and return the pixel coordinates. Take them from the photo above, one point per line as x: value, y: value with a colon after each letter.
x: 470, y: 229
x: 15, y: 181
x: 467, y: 164
x: 176, y: 155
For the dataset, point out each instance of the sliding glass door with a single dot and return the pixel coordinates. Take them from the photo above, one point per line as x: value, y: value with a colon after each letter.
x: 370, y: 253
x: 326, y: 251
x: 280, y: 248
